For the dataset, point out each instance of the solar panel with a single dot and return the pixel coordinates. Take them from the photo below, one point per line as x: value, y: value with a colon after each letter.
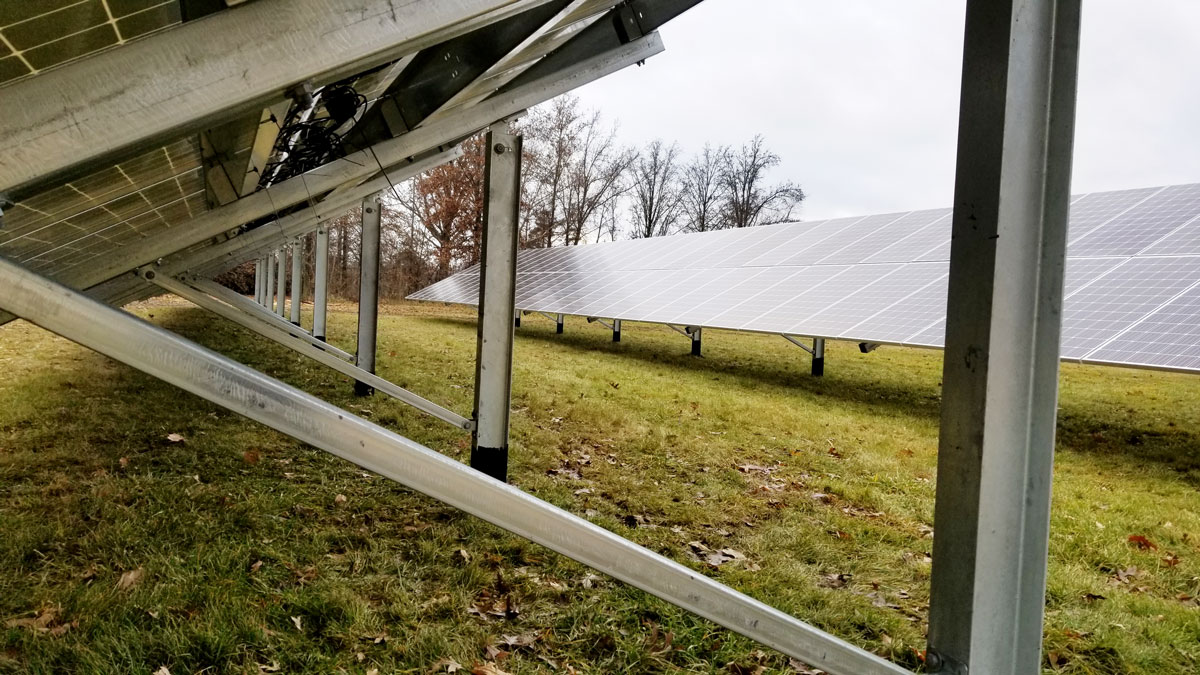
x: 1131, y: 287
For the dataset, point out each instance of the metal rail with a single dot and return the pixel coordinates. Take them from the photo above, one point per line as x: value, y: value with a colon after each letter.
x: 255, y: 325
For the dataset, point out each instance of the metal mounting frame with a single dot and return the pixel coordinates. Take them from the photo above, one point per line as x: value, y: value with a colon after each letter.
x: 998, y: 407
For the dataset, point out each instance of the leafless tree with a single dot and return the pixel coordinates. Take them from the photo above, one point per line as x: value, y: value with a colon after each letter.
x: 748, y: 202
x: 656, y: 190
x: 577, y: 169
x: 703, y: 190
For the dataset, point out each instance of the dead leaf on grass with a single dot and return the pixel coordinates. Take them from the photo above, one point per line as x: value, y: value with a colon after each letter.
x: 250, y: 457
x: 487, y: 669
x: 130, y: 579
x: 801, y: 668
x: 340, y: 500
x: 297, y: 622
x: 174, y: 438
x: 448, y: 666
x: 836, y: 580
x: 1142, y: 542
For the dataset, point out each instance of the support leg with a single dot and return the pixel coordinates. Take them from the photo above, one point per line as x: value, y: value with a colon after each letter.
x: 321, y: 283
x: 258, y: 281
x: 497, y: 296
x: 616, y: 330
x: 297, y: 279
x: 368, y: 294
x: 1000, y: 372
x: 281, y: 282
x: 697, y: 334
x: 269, y: 280
x: 818, y: 360
x: 558, y: 324
x: 516, y: 318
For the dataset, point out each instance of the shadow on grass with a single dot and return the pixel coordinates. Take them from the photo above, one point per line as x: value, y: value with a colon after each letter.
x: 1080, y: 427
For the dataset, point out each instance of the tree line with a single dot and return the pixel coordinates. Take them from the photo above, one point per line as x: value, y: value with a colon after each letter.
x: 579, y: 185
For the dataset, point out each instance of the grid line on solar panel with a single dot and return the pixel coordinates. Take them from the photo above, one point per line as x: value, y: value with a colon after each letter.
x: 1138, y: 229
x: 796, y: 246
x: 867, y: 228
x: 797, y: 314
x: 1167, y: 338
x: 764, y: 292
x: 1116, y: 300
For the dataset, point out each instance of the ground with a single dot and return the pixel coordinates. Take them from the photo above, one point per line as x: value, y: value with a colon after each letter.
x: 145, y: 528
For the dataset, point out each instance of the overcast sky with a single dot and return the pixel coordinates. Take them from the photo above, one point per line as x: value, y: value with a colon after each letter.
x: 860, y: 97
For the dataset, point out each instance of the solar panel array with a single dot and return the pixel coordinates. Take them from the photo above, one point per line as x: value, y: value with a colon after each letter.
x: 1132, y: 286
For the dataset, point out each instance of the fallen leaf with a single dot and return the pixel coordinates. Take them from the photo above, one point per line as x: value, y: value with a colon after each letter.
x: 130, y: 579
x: 1171, y: 560
x: 174, y: 438
x: 250, y: 457
x: 462, y: 554
x: 837, y: 580
x: 802, y: 668
x: 255, y: 566
x: 522, y: 640
x: 1142, y: 542
x: 447, y: 665
x: 1092, y: 597
x: 373, y: 671
x: 487, y: 669
x: 296, y: 623
x: 39, y: 623
x: 162, y: 670
x: 339, y: 500
x: 124, y: 462
x: 273, y: 667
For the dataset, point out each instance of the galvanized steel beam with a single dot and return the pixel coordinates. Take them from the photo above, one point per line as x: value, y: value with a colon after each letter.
x: 1000, y: 373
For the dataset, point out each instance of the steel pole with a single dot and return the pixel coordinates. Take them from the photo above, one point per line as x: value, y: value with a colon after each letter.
x: 281, y: 282
x: 269, y: 283
x: 297, y: 279
x: 616, y: 330
x: 497, y: 297
x: 698, y: 341
x: 258, y: 280
x: 818, y: 360
x: 1000, y: 370
x: 368, y: 292
x: 321, y: 282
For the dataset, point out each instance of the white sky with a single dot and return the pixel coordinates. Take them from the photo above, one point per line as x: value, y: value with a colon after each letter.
x: 860, y: 97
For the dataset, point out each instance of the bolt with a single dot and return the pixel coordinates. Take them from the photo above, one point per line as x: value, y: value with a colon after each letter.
x: 150, y: 275
x: 500, y: 148
x: 933, y: 662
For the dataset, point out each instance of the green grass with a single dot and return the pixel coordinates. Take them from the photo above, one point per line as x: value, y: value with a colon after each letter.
x: 238, y: 529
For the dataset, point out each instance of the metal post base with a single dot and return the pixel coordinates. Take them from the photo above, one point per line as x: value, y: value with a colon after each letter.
x: 491, y: 462
x: 616, y: 329
x: 558, y: 326
x: 517, y: 321
x: 818, y: 367
x: 363, y: 389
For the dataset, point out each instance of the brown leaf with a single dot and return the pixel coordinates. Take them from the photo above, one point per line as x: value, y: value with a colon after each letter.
x: 255, y: 566
x: 124, y: 462
x: 250, y: 457
x: 487, y: 669
x: 339, y: 500
x: 801, y: 668
x: 463, y: 555
x: 447, y: 665
x: 1171, y: 560
x: 174, y: 438
x: 40, y: 623
x: 130, y: 579
x: 1142, y: 542
x: 162, y: 670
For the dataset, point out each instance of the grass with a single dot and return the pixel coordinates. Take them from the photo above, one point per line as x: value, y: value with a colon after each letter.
x: 238, y: 550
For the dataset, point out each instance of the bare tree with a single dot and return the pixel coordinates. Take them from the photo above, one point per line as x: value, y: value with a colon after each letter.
x: 656, y: 190
x: 703, y: 190
x: 748, y: 202
x: 577, y: 171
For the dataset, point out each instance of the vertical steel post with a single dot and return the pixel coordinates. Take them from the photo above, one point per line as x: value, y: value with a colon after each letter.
x: 1000, y: 371
x: 616, y: 330
x: 516, y: 318
x: 697, y: 334
x: 258, y: 280
x: 281, y: 282
x: 368, y: 292
x: 558, y: 324
x: 321, y: 282
x: 269, y: 282
x: 818, y: 360
x: 497, y: 297
x: 297, y: 279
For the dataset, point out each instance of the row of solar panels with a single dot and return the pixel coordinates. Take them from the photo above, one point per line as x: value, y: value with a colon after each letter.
x: 1132, y: 288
